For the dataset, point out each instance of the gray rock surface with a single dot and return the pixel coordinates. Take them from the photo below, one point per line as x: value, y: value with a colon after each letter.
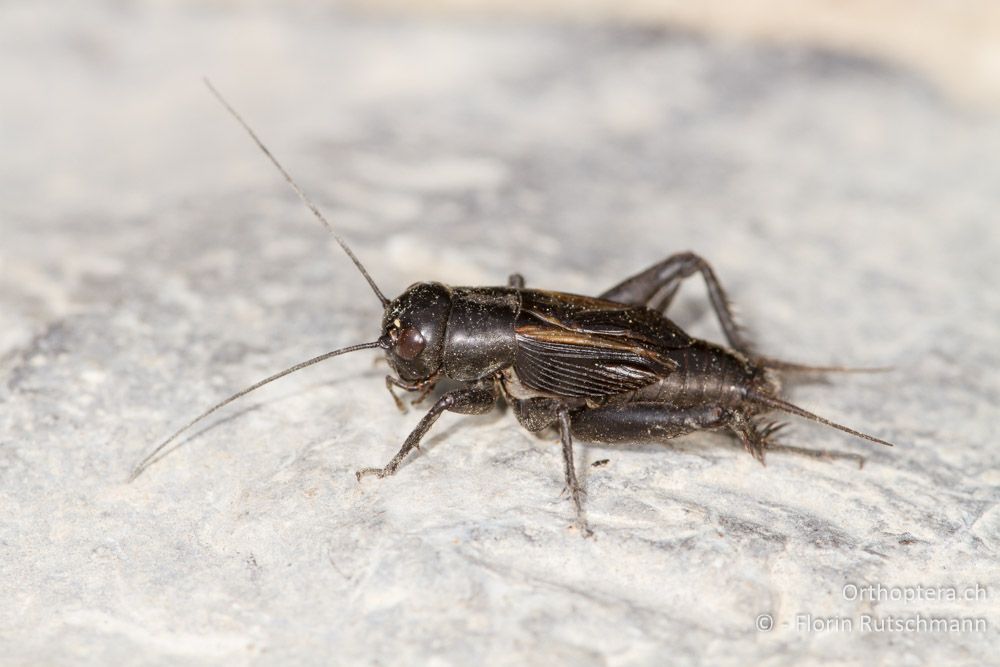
x: 153, y: 262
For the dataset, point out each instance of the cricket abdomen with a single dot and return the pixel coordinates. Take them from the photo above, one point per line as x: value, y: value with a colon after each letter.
x: 706, y: 375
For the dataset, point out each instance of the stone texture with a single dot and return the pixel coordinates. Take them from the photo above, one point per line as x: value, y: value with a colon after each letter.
x: 153, y: 262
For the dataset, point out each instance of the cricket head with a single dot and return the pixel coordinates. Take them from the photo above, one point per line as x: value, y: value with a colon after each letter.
x: 413, y: 331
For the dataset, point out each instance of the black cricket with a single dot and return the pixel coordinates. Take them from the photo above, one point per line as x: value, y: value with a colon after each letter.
x: 608, y: 369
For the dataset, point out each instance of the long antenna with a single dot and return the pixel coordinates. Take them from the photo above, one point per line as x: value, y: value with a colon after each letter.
x: 785, y: 406
x: 151, y: 457
x: 302, y: 195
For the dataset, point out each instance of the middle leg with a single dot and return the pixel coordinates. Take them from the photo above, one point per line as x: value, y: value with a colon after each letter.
x: 425, y: 387
x: 572, y: 484
x: 537, y: 414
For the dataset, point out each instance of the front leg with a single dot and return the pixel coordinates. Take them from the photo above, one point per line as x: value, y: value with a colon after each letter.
x: 475, y: 400
x: 425, y: 387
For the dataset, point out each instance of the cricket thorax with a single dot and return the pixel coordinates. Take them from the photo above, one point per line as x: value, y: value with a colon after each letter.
x: 480, y: 339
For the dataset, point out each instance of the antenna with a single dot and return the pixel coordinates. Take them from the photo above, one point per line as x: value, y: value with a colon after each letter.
x: 302, y: 195
x: 150, y: 458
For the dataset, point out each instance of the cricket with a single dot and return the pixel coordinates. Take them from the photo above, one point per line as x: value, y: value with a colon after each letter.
x: 606, y: 369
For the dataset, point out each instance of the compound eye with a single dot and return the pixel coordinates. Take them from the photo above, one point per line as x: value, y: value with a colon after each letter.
x: 410, y: 343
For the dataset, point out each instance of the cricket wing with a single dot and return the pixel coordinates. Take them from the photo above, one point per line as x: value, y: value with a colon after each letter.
x: 577, y: 364
x: 589, y: 315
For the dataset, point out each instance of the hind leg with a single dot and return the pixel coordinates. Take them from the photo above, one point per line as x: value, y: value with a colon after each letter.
x: 656, y: 286
x: 658, y: 421
x: 647, y: 421
x: 758, y: 438
x: 822, y: 454
x: 576, y: 493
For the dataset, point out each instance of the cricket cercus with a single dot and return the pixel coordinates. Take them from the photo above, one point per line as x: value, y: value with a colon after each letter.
x: 607, y: 369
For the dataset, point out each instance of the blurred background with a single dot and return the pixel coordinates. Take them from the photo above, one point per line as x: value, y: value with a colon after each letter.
x: 957, y: 44
x: 103, y: 112
x: 836, y: 161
